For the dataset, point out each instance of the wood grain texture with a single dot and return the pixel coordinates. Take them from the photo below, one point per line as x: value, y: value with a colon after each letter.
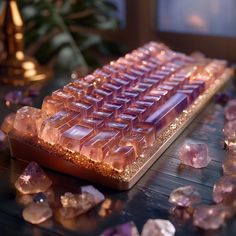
x: 147, y: 199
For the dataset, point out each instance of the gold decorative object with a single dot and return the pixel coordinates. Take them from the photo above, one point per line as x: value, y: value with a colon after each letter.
x: 15, y: 67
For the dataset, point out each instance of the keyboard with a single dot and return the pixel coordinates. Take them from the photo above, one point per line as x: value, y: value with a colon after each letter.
x: 110, y: 126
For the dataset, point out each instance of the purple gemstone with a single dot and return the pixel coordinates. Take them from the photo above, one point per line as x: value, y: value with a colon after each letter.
x: 221, y: 98
x: 195, y: 155
x: 224, y: 187
x: 230, y: 110
x: 158, y: 227
x: 33, y: 180
x: 230, y: 133
x: 26, y: 101
x: 13, y: 97
x: 33, y: 91
x: 185, y: 196
x: 210, y: 217
x: 127, y: 229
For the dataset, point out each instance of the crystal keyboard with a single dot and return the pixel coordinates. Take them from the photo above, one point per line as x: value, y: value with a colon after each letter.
x: 110, y: 126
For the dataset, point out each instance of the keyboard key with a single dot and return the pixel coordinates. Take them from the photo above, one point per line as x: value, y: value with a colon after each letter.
x: 52, y: 128
x: 105, y: 93
x: 116, y: 108
x: 103, y: 113
x: 63, y: 96
x: 93, y: 122
x: 81, y: 106
x: 147, y: 131
x: 168, y: 111
x: 97, y: 147
x: 94, y: 99
x: 127, y: 118
x: 51, y: 106
x: 136, y: 140
x: 123, y: 128
x: 120, y: 156
x: 75, y: 136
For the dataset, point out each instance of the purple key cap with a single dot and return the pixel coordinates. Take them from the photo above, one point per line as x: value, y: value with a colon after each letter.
x: 120, y: 126
x: 94, y: 99
x: 168, y: 111
x: 81, y: 106
x: 105, y: 93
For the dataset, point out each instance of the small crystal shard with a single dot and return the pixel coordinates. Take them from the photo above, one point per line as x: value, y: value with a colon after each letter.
x: 76, y: 204
x: 185, y: 196
x: 158, y: 227
x: 210, y: 217
x: 33, y: 180
x: 7, y: 124
x: 26, y: 119
x: 230, y: 133
x: 37, y: 213
x: 230, y: 110
x: 127, y: 229
x: 229, y: 164
x: 224, y: 187
x: 195, y: 155
x: 13, y: 97
x: 98, y: 196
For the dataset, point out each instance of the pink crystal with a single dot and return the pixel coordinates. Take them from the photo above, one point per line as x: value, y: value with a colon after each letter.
x: 76, y: 204
x: 229, y: 163
x: 37, y: 213
x: 127, y: 229
x: 181, y: 213
x: 25, y: 120
x: 13, y: 97
x: 230, y: 133
x: 224, y: 187
x: 98, y: 196
x: 158, y: 227
x: 230, y: 110
x: 210, y: 217
x: 33, y: 180
x: 185, y: 196
x: 195, y: 155
x: 7, y: 124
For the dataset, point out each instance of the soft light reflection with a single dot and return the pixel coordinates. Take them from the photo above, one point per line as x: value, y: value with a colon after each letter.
x: 19, y: 55
x: 16, y: 16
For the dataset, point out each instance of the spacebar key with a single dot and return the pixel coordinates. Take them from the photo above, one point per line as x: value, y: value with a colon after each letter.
x: 166, y: 113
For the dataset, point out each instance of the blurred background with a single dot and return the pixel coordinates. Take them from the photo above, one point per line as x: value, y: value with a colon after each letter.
x: 67, y: 34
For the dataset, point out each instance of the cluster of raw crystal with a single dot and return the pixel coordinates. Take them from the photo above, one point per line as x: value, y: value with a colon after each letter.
x: 34, y: 184
x: 115, y: 113
x: 224, y: 190
x: 151, y: 227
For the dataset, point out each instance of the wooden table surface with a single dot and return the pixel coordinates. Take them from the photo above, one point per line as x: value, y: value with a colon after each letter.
x: 147, y: 199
